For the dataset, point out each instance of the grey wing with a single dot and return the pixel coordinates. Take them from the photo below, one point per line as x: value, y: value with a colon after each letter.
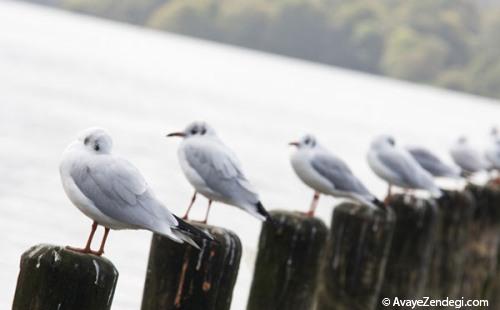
x: 119, y: 191
x: 339, y: 174
x: 430, y: 162
x: 468, y: 160
x: 399, y: 165
x: 220, y: 171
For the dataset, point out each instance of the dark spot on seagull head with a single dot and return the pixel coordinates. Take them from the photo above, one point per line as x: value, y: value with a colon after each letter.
x: 383, y: 141
x: 198, y: 129
x: 308, y: 141
x: 391, y: 141
x: 97, y: 140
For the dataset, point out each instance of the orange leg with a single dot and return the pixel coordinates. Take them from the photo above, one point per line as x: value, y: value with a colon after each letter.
x: 208, y: 211
x: 103, y: 242
x: 186, y: 216
x: 89, y: 241
x: 314, y: 204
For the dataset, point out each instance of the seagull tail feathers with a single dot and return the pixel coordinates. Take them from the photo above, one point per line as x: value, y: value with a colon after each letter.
x: 262, y: 214
x: 187, y: 233
x: 378, y: 203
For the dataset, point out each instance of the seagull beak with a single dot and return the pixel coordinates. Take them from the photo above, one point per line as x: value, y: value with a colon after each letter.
x: 176, y: 134
x: 294, y: 144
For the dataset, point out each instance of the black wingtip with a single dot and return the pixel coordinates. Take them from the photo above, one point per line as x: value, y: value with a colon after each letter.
x: 262, y: 211
x: 379, y: 203
x: 192, y: 230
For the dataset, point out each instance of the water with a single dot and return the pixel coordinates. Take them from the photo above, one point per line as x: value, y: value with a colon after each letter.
x: 60, y: 73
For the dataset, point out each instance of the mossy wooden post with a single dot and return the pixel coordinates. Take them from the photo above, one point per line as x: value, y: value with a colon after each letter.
x: 288, y: 262
x: 180, y: 276
x: 482, y: 245
x: 355, y: 258
x: 52, y: 277
x: 448, y: 258
x: 417, y: 223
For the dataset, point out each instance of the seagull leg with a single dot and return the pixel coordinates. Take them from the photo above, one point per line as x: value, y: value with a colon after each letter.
x: 185, y: 217
x: 103, y: 242
x: 389, y: 194
x: 89, y: 241
x: 208, y: 211
x: 314, y: 204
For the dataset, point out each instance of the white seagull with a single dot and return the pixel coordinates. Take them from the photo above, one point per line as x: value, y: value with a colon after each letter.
x: 112, y: 192
x: 433, y: 164
x: 492, y: 152
x: 214, y: 171
x: 397, y: 167
x: 327, y: 174
x: 468, y: 158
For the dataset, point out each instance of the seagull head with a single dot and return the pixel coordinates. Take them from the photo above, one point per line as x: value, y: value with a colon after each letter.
x: 307, y: 142
x: 195, y: 129
x: 383, y: 141
x: 96, y: 140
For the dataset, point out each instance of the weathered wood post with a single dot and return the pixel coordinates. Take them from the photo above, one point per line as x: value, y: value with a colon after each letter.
x: 448, y: 258
x: 287, y: 264
x: 482, y: 244
x: 53, y: 277
x: 355, y: 259
x: 409, y: 258
x: 180, y: 276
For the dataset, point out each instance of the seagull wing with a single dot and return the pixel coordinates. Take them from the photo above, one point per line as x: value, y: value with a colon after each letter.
x: 403, y: 168
x: 119, y: 191
x: 431, y: 162
x: 221, y: 172
x: 339, y: 174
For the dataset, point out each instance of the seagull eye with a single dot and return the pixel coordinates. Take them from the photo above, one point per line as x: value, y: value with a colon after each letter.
x: 97, y: 147
x: 203, y: 131
x: 307, y: 141
x: 391, y: 141
x: 194, y: 131
x: 86, y: 141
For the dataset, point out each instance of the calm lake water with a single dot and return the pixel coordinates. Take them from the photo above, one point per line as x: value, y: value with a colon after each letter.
x: 61, y: 73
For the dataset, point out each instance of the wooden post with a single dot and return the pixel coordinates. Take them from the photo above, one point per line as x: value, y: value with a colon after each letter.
x: 180, y: 276
x: 355, y: 258
x: 447, y: 261
x: 52, y: 277
x: 482, y: 244
x: 417, y: 223
x: 288, y: 262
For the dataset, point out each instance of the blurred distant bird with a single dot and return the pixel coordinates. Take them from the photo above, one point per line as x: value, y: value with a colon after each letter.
x: 113, y: 193
x: 467, y: 158
x: 214, y: 171
x: 397, y: 166
x: 327, y: 174
x: 492, y: 152
x: 432, y: 164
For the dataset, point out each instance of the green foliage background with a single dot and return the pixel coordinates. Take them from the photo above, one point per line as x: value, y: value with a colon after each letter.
x: 449, y: 43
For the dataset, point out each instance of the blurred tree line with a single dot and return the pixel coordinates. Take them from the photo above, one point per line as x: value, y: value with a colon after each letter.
x: 449, y: 43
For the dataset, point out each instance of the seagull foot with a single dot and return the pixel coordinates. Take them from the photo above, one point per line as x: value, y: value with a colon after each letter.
x: 85, y: 251
x: 307, y: 214
x: 199, y: 222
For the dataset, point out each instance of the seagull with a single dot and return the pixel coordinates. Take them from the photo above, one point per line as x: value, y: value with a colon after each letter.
x: 327, y: 174
x: 112, y: 192
x: 432, y: 164
x: 492, y: 152
x: 397, y: 167
x: 215, y: 172
x: 467, y: 158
